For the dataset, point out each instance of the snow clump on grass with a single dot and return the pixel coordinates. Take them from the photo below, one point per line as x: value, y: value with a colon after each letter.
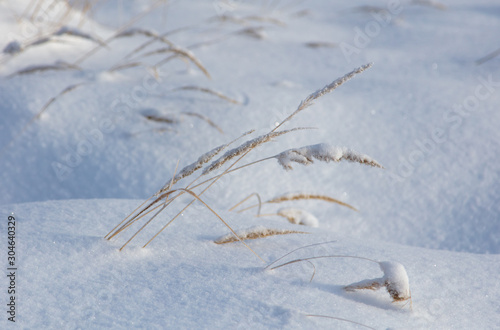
x: 322, y: 152
x: 299, y: 217
x: 395, y: 280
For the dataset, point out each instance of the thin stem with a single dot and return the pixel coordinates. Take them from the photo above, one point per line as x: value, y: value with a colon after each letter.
x: 128, y: 216
x: 300, y: 248
x: 322, y: 257
x: 244, y: 200
x: 137, y: 232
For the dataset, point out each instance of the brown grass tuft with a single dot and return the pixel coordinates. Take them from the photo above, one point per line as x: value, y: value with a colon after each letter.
x: 167, y: 195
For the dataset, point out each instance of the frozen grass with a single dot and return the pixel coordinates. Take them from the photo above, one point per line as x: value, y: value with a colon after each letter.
x: 395, y: 278
x: 168, y: 194
x: 286, y: 198
x: 61, y: 248
x: 255, y: 233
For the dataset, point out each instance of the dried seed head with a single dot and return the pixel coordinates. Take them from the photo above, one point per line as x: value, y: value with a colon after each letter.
x: 396, y: 280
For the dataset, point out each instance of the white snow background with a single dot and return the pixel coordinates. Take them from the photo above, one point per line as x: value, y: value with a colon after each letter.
x: 73, y: 168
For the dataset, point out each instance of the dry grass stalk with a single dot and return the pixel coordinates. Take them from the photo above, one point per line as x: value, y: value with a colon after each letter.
x: 191, y: 168
x: 202, y: 160
x: 39, y: 114
x: 306, y: 196
x: 148, y: 33
x: 488, y: 57
x: 247, y: 19
x: 291, y: 197
x: 265, y: 19
x: 15, y: 47
x: 210, y: 209
x: 429, y: 3
x: 253, y: 32
x: 178, y: 52
x: 66, y: 30
x: 308, y: 101
x: 239, y: 152
x: 245, y: 199
x: 255, y: 233
x: 244, y: 148
x: 123, y: 28
x: 369, y: 9
x: 204, y: 118
x: 320, y: 44
x: 58, y: 66
x: 208, y: 91
x: 160, y: 119
x: 129, y: 65
x: 322, y: 152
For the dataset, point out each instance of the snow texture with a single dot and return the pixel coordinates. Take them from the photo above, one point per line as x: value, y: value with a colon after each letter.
x: 75, y: 161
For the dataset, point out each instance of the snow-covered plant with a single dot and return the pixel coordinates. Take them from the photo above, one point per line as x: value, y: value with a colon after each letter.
x: 395, y: 278
x: 298, y: 216
x: 226, y: 164
x: 322, y: 152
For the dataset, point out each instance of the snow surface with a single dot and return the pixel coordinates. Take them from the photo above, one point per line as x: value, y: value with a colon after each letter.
x: 75, y: 161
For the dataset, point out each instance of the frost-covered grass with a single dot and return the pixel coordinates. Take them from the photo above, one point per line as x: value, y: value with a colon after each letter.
x: 105, y: 103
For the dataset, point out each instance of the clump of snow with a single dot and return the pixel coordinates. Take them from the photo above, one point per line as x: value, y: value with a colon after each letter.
x: 299, y: 217
x: 322, y: 152
x: 395, y: 280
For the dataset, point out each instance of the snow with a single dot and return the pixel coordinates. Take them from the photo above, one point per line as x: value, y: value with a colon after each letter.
x: 395, y: 280
x: 298, y: 216
x: 77, y: 155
